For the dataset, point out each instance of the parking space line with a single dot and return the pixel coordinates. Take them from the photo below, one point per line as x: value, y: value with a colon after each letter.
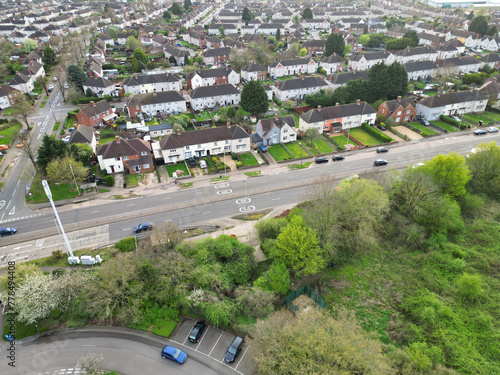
x: 216, y: 343
x: 245, y: 352
x: 202, y: 337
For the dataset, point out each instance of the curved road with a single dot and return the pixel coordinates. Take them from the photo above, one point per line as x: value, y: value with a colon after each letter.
x: 126, y: 351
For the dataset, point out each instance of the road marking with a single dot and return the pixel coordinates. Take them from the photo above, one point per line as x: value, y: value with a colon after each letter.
x: 215, y: 343
x: 274, y: 199
x: 14, y: 192
x: 94, y: 212
x: 39, y: 243
x: 243, y: 201
x: 217, y: 186
x: 88, y: 345
x: 2, y: 216
x: 125, y: 229
x: 166, y: 199
x: 130, y: 205
x: 204, y: 213
x: 221, y: 192
x: 2, y: 203
x: 18, y: 183
x: 241, y: 358
x: 12, y: 212
x: 247, y: 208
x: 125, y: 350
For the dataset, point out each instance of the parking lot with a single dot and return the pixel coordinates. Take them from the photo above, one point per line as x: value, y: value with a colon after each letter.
x: 214, y: 343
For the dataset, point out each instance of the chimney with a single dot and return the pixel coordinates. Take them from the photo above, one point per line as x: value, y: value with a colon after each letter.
x: 17, y: 72
x: 302, y: 78
x: 358, y: 102
x: 276, y: 116
x: 278, y: 84
x: 319, y: 108
x: 228, y: 124
x: 399, y: 98
x: 178, y: 131
x: 154, y: 92
x: 92, y: 104
x: 331, y: 77
x: 117, y: 139
x: 31, y: 62
x: 135, y: 75
x: 337, y: 104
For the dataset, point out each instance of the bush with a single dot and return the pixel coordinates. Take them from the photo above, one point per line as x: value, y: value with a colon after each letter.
x: 214, y: 159
x: 126, y: 245
x: 239, y: 164
x: 57, y: 254
x: 469, y: 286
x: 234, y: 156
x: 449, y: 120
x: 380, y: 136
x: 110, y: 180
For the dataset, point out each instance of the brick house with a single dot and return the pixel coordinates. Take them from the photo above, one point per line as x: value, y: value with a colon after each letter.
x: 122, y: 155
x: 254, y: 71
x: 314, y: 46
x: 96, y: 114
x: 400, y: 110
x: 216, y: 56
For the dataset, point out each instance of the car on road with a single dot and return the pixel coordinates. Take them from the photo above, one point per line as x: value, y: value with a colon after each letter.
x: 197, y: 331
x: 379, y: 162
x: 174, y: 354
x: 262, y: 149
x: 50, y: 88
x: 20, y: 144
x: 234, y: 349
x: 143, y: 226
x: 382, y: 149
x: 321, y: 160
x: 338, y: 157
x: 203, y: 164
x: 7, y: 230
x: 480, y: 132
x: 3, y: 147
x: 66, y: 86
x: 492, y: 129
x: 381, y: 127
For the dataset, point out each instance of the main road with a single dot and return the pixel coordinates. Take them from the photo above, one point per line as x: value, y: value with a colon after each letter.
x: 204, y: 204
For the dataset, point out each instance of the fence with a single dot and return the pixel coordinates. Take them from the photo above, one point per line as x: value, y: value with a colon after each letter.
x: 308, y: 292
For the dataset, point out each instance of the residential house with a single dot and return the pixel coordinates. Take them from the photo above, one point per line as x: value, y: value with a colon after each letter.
x: 491, y: 88
x: 316, y: 47
x: 125, y: 155
x: 298, y: 88
x: 333, y: 63
x: 216, y: 56
x: 350, y: 40
x: 400, y: 110
x: 99, y: 86
x: 462, y: 64
x: 160, y: 130
x: 205, y: 142
x: 143, y: 84
x: 178, y: 55
x: 254, y: 71
x: 316, y: 24
x: 491, y: 59
x: 209, y: 77
x: 8, y: 96
x: 96, y: 114
x: 365, y: 61
x: 294, y: 66
x: 340, y: 80
x: 337, y: 118
x: 453, y: 103
x: 269, y: 91
x: 415, y: 54
x: 420, y: 69
x: 16, y: 37
x: 156, y: 103
x: 84, y: 134
x: 270, y: 28
x: 34, y: 70
x: 22, y: 83
x: 447, y: 51
x: 207, y: 97
x: 229, y: 28
x: 276, y: 130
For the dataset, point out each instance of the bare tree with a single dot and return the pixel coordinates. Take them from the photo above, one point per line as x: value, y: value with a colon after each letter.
x: 29, y: 151
x: 91, y: 364
x: 41, y: 82
x: 22, y: 110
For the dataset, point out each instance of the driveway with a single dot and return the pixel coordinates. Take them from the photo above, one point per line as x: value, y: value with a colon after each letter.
x: 409, y: 133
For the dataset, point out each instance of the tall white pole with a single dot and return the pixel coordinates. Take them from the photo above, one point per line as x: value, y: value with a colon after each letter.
x: 46, y: 187
x: 246, y: 201
x: 74, y: 178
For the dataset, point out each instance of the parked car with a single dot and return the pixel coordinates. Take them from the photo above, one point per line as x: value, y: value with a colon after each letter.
x: 7, y: 230
x: 174, y: 354
x: 197, y: 331
x: 455, y: 118
x: 321, y: 160
x: 418, y: 165
x: 381, y: 127
x: 50, y: 88
x: 423, y: 121
x: 338, y: 157
x: 480, y: 132
x: 66, y: 86
x: 20, y: 144
x: 492, y: 129
x: 262, y: 149
x: 203, y: 164
x: 3, y: 147
x: 379, y: 162
x: 192, y: 162
x: 382, y: 149
x: 66, y: 138
x: 234, y: 349
x: 143, y: 226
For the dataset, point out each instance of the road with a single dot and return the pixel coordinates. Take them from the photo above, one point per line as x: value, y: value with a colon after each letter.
x: 13, y: 195
x: 98, y: 223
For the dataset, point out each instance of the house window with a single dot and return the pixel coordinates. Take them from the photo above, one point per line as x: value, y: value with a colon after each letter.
x: 187, y: 147
x: 398, y: 119
x: 117, y: 159
x: 173, y: 150
x: 143, y: 153
x: 125, y: 158
x: 406, y: 118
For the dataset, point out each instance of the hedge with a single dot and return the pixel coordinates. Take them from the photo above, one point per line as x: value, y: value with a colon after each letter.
x: 126, y: 245
x: 110, y: 180
x: 87, y: 100
x: 453, y: 122
x: 380, y: 136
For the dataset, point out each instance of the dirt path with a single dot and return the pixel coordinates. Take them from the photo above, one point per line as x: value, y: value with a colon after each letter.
x: 409, y: 133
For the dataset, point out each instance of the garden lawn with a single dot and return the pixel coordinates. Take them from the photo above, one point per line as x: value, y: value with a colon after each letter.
x: 445, y: 125
x: 322, y: 146
x: 199, y: 118
x: 342, y: 140
x: 364, y: 137
x: 491, y: 115
x: 42, y: 104
x: 171, y: 168
x: 475, y: 119
x: 426, y: 131
x: 311, y: 150
x: 206, y: 115
x: 248, y: 159
x: 11, y: 130
x: 8, y: 111
x: 296, y: 118
x: 132, y: 179
x: 70, y: 121
x: 279, y: 153
x: 59, y: 192
x: 106, y: 140
x: 296, y: 150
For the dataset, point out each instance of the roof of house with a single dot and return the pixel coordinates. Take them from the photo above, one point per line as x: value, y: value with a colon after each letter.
x: 337, y: 111
x: 379, y: 55
x: 163, y: 126
x: 217, y: 52
x: 123, y: 147
x: 136, y: 80
x: 98, y: 82
x: 416, y: 51
x: 211, y: 73
x: 333, y: 59
x: 216, y: 90
x: 155, y: 98
x: 82, y: 134
x: 269, y: 123
x: 292, y: 62
x: 392, y: 105
x: 6, y: 90
x: 490, y: 58
x: 417, y: 66
x: 254, y: 67
x: 197, y: 137
x: 91, y: 110
x: 459, y: 61
x: 452, y: 98
x: 301, y: 83
x: 18, y: 79
x: 343, y: 78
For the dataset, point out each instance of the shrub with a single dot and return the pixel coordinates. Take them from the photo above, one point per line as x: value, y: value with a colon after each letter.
x: 57, y: 254
x: 451, y: 121
x: 234, y: 156
x: 380, y: 136
x: 126, y: 245
x: 110, y: 180
x: 270, y: 228
x: 214, y: 159
x: 469, y: 286
x: 239, y: 164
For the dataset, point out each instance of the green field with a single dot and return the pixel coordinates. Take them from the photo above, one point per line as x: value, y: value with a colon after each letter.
x: 342, y: 140
x: 248, y: 159
x: 474, y: 119
x: 11, y: 130
x: 106, y: 140
x: 426, y: 131
x: 364, y: 137
x: 59, y: 192
x: 279, y: 153
x: 491, y: 115
x: 171, y: 168
x: 445, y: 125
x: 296, y: 150
x: 8, y: 111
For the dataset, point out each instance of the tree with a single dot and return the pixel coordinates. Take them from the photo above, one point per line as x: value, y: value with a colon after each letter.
x: 29, y: 150
x: 167, y: 16
x: 63, y: 81
x: 132, y: 43
x: 450, y: 173
x: 254, y: 98
x: 278, y: 34
x: 298, y: 248
x: 177, y: 9
x: 187, y: 4
x: 221, y: 30
x: 51, y: 148
x: 49, y: 58
x: 59, y: 170
x: 493, y: 31
x: 22, y: 110
x: 484, y: 165
x: 470, y: 16
x: 296, y: 19
x: 41, y: 81
x: 91, y: 363
x: 479, y: 25
x: 303, y: 52
x: 29, y: 45
x: 247, y: 15
x: 77, y: 76
x: 302, y: 344
x: 335, y: 43
x: 412, y: 34
x: 311, y: 134
x: 363, y: 39
x: 307, y: 14
x: 276, y: 279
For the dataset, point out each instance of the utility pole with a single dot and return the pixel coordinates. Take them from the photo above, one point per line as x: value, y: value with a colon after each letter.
x: 246, y: 200
x: 74, y: 178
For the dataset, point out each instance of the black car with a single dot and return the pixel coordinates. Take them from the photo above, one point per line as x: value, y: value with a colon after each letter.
x: 321, y: 160
x: 382, y: 149
x: 192, y: 162
x: 380, y: 162
x: 480, y: 132
x: 381, y: 127
x: 234, y: 349
x: 338, y: 157
x: 197, y: 331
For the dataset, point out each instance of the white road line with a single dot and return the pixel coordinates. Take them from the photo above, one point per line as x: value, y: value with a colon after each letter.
x: 88, y: 345
x: 241, y: 357
x: 14, y: 192
x: 94, y: 212
x: 204, y: 213
x: 130, y: 205
x: 18, y: 183
x: 125, y: 229
x: 274, y: 199
x: 166, y: 199
x: 125, y: 350
x: 216, y: 343
x: 204, y: 334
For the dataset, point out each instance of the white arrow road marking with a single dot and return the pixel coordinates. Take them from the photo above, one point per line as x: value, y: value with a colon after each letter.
x: 2, y: 203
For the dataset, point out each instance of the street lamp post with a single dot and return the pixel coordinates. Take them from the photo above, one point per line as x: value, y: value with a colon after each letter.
x: 72, y: 259
x: 74, y: 178
x: 52, y: 110
x: 246, y: 199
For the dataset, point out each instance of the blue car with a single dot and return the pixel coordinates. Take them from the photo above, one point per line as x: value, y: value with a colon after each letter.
x: 262, y: 149
x: 143, y: 226
x: 174, y: 354
x: 7, y: 230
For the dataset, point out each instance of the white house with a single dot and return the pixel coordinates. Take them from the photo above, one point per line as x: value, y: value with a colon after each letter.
x: 462, y: 64
x: 365, y: 61
x: 420, y: 69
x: 100, y: 86
x: 446, y: 51
x: 254, y: 71
x: 415, y: 54
x: 210, y: 77
x: 22, y: 82
x: 276, y: 130
x: 156, y: 103
x: 143, y: 84
x: 205, y: 97
x: 8, y: 96
x: 298, y: 88
x: 453, y: 103
x: 333, y: 63
x: 293, y: 66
